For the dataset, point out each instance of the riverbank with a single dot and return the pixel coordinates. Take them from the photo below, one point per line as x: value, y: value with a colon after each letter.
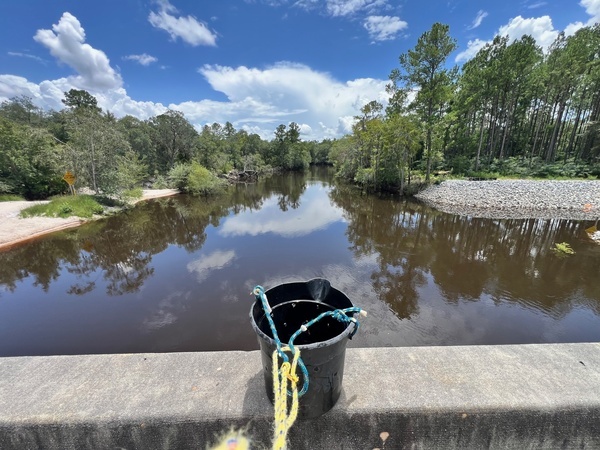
x: 516, y: 199
x: 15, y: 230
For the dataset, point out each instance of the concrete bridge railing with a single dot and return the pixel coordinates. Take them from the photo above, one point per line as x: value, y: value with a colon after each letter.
x: 505, y: 397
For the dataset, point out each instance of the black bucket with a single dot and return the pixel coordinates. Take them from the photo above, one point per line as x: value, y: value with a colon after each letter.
x: 322, y: 347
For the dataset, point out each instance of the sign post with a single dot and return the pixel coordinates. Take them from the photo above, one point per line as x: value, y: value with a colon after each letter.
x: 70, y: 179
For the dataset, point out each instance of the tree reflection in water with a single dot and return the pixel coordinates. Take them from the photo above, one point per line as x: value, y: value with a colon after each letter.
x: 174, y: 274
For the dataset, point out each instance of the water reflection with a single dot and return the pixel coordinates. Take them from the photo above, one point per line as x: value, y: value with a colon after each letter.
x: 317, y: 214
x: 174, y: 274
x: 466, y: 258
x: 203, y: 266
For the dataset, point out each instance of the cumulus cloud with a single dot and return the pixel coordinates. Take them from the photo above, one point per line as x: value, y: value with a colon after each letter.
x: 473, y: 46
x: 258, y: 99
x: 292, y: 91
x: 66, y: 42
x: 144, y: 59
x: 541, y: 28
x: 188, y: 28
x: 592, y: 7
x: 384, y: 28
x: 478, y: 19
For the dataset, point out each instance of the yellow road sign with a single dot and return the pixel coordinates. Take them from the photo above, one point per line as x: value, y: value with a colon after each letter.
x: 69, y: 178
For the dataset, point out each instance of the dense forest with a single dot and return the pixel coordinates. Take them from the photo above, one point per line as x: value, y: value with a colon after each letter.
x: 514, y: 109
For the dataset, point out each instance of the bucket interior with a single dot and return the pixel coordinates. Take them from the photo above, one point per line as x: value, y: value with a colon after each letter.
x: 290, y: 316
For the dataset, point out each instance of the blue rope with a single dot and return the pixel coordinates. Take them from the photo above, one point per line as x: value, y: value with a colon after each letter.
x: 259, y: 292
x: 338, y: 314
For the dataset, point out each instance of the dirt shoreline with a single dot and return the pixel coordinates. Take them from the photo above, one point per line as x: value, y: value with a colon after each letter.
x: 16, y: 230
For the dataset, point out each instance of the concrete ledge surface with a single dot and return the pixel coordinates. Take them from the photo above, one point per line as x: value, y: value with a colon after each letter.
x: 506, y: 397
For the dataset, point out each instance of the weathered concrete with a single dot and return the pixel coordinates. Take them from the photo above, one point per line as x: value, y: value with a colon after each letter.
x: 506, y: 397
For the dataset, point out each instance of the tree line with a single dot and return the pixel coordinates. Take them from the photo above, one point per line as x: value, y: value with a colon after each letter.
x: 513, y: 109
x: 111, y: 155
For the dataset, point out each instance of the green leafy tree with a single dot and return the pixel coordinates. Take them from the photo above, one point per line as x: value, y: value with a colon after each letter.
x: 29, y: 161
x: 424, y: 69
x: 174, y: 138
x: 78, y: 100
x: 21, y: 110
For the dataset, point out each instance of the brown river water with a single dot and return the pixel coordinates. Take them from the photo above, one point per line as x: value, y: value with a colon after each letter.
x: 175, y: 274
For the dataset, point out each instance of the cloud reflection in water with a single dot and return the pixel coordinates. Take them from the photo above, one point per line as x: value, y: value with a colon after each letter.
x: 315, y: 213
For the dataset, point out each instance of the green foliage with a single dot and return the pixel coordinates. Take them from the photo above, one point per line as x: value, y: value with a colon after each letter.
x: 131, y: 170
x: 133, y: 194
x: 460, y: 165
x: 202, y: 181
x: 178, y: 176
x: 161, y: 182
x: 480, y: 175
x: 563, y: 249
x: 195, y: 179
x: 174, y: 139
x: 80, y: 100
x: 84, y: 206
x: 5, y: 188
x: 29, y: 161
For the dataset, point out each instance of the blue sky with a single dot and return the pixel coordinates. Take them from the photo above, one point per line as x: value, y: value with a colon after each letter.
x: 255, y: 63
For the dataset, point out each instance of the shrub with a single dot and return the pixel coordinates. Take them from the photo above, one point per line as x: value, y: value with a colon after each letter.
x: 133, y: 194
x: 178, y: 176
x: 195, y: 179
x: 202, y: 181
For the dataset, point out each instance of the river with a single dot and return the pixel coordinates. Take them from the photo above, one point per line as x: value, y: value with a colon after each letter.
x: 175, y: 274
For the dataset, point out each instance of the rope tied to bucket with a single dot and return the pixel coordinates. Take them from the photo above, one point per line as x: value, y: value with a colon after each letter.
x: 283, y: 419
x: 288, y: 371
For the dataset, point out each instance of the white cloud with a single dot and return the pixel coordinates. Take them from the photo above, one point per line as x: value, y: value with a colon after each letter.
x: 536, y: 5
x: 257, y: 99
x: 592, y: 7
x: 473, y: 46
x: 478, y: 19
x: 289, y: 91
x: 307, y: 5
x: 27, y: 55
x: 189, y: 29
x: 384, y: 28
x: 144, y: 59
x: 541, y: 28
x: 66, y: 42
x: 349, y: 7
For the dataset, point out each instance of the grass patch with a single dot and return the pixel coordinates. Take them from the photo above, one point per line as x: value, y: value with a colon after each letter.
x: 79, y: 206
x: 10, y: 198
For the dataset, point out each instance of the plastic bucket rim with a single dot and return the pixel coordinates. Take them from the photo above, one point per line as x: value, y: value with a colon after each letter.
x: 301, y: 347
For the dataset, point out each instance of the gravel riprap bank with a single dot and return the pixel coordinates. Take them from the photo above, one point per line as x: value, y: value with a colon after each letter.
x: 516, y: 199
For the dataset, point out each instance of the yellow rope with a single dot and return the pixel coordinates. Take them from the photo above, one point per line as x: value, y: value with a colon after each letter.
x: 283, y: 419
